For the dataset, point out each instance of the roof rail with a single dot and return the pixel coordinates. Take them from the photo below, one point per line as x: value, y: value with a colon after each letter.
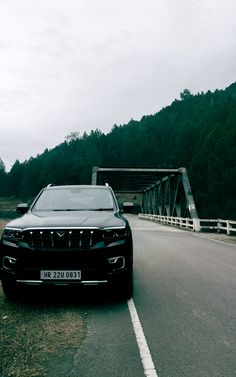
x: 50, y: 185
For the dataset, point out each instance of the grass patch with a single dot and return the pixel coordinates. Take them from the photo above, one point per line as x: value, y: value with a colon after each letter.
x: 31, y: 333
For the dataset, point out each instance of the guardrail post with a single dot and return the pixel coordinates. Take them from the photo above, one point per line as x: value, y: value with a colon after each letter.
x: 196, y: 225
x: 218, y: 226
x: 228, y: 227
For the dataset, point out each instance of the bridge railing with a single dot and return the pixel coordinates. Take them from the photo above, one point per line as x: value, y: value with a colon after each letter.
x: 196, y: 225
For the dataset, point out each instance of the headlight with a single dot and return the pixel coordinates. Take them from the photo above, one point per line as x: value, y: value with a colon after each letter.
x: 12, y: 235
x: 115, y: 234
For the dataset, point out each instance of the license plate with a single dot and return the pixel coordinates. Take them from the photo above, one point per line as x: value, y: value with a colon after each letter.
x: 60, y: 275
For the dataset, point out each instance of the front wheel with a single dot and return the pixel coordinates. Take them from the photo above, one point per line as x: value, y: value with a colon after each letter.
x: 127, y: 286
x: 123, y: 286
x: 9, y: 288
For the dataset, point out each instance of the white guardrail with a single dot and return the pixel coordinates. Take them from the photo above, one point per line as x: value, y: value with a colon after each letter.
x: 196, y: 225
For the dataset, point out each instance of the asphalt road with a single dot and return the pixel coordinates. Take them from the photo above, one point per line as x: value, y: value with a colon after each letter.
x: 185, y: 290
x: 184, y: 295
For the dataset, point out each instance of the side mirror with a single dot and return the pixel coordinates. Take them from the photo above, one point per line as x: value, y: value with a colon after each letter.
x: 22, y: 208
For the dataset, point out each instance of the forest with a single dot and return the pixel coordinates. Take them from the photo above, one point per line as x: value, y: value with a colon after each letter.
x: 197, y: 131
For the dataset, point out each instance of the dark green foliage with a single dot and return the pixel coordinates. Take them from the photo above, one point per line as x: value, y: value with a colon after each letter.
x: 2, y: 177
x: 197, y: 131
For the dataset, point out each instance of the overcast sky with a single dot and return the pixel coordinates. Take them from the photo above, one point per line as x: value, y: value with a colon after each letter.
x: 78, y: 65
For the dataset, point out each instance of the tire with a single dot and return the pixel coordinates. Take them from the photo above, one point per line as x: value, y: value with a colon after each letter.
x: 9, y: 288
x: 128, y: 286
x: 124, y: 286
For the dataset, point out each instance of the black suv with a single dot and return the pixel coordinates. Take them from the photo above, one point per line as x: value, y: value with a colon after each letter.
x: 70, y: 235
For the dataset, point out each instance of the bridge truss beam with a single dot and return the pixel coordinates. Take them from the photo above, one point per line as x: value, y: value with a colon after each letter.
x: 166, y: 192
x: 170, y: 196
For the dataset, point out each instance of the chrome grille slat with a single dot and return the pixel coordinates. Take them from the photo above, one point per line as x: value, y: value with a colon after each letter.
x: 32, y: 239
x: 41, y: 237
x: 69, y: 243
x: 91, y: 238
x: 80, y: 239
x: 52, y: 239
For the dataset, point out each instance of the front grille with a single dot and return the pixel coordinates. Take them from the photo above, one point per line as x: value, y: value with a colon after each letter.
x: 61, y: 239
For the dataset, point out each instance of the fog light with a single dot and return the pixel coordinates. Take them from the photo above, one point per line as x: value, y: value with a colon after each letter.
x: 9, y: 262
x: 117, y: 262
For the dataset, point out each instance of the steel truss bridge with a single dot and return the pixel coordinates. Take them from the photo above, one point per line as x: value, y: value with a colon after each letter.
x: 165, y: 192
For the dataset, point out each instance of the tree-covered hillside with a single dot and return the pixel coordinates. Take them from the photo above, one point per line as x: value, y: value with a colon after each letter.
x: 197, y: 131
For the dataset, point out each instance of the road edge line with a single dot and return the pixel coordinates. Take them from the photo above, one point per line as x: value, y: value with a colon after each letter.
x: 146, y: 358
x: 214, y: 240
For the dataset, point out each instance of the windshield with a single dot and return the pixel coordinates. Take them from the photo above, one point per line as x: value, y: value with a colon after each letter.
x: 75, y: 199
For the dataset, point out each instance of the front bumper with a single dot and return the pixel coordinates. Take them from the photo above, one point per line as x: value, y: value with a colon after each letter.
x: 98, y: 266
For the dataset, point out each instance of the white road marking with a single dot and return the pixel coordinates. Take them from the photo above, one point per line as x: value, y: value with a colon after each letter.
x: 148, y: 366
x: 213, y: 239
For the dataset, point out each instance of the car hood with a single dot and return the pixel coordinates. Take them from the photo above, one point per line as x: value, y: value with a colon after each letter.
x: 62, y: 219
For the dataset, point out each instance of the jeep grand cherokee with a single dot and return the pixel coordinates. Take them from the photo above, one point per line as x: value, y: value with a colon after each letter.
x: 70, y: 235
